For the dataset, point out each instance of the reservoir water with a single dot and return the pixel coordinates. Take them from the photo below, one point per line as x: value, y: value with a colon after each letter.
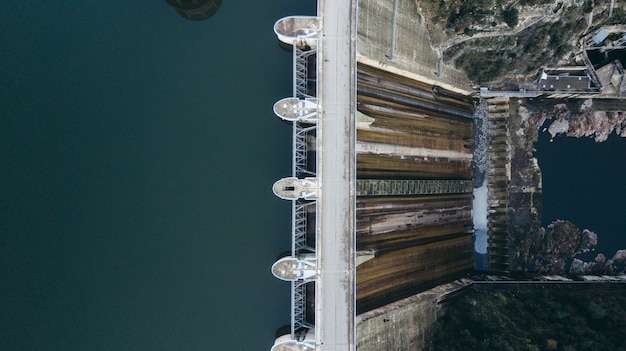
x: 138, y: 153
x: 584, y: 182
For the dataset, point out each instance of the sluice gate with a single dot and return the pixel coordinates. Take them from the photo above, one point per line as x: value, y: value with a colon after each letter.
x: 498, y: 180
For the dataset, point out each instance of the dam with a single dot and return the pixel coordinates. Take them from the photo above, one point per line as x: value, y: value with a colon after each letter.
x: 419, y: 240
x: 381, y: 190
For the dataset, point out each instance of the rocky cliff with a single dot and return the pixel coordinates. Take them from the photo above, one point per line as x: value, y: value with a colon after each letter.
x: 582, y: 121
x: 562, y: 248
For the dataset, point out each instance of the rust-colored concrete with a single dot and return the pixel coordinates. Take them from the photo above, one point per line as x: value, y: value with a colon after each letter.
x: 411, y: 133
x: 401, y: 273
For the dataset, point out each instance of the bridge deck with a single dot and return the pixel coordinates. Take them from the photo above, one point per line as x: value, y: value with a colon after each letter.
x: 335, y: 301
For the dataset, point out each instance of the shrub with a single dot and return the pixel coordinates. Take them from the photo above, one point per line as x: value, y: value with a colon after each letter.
x: 510, y: 17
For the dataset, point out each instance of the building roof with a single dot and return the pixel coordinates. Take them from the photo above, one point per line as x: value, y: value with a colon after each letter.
x: 600, y: 36
x: 563, y: 82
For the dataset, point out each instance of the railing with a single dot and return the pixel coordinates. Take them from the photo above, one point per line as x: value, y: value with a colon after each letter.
x: 301, y: 72
x: 298, y: 307
x: 301, y: 110
x: 300, y: 150
x: 299, y: 229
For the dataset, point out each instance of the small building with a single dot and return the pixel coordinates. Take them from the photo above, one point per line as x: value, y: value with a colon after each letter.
x: 573, y: 80
x: 600, y: 36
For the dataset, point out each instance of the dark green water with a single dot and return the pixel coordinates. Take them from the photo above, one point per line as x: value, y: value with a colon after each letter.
x: 584, y: 182
x: 138, y: 153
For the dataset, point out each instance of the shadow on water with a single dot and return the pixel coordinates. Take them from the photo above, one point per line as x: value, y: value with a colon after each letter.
x: 195, y: 10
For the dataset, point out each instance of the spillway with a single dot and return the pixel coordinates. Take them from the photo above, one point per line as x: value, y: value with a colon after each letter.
x: 408, y: 130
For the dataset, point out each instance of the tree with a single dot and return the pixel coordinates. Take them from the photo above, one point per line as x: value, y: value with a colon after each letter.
x: 510, y: 17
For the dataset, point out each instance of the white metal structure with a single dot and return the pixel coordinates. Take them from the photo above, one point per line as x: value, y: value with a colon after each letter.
x: 322, y: 111
x: 302, y: 187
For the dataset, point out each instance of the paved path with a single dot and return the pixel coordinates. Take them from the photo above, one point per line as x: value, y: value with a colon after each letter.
x: 335, y: 302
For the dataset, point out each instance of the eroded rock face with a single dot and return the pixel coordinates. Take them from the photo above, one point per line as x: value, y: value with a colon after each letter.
x: 599, y: 265
x: 577, y: 266
x: 620, y: 256
x: 562, y: 239
x: 589, y: 241
x: 558, y: 245
x: 597, y: 124
x: 581, y: 267
x: 561, y: 247
x: 557, y: 250
x: 585, y: 122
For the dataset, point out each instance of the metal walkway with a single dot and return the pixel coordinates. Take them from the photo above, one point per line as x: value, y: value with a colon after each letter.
x: 321, y: 190
x: 301, y: 188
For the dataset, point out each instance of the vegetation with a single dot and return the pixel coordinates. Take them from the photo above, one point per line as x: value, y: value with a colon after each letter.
x: 510, y: 17
x: 557, y: 317
x: 472, y: 33
x: 468, y: 13
x: 482, y: 66
x: 536, y: 2
x: 544, y: 44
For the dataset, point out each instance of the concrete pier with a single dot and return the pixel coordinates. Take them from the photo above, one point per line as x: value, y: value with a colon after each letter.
x: 498, y: 180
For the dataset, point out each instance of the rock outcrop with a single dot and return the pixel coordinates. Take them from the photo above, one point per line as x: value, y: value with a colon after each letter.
x: 555, y: 246
x: 584, y: 122
x: 600, y: 265
x: 559, y: 249
x: 589, y: 241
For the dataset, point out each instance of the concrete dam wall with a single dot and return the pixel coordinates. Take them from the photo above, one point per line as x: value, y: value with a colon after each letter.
x: 408, y: 324
x: 406, y: 132
x: 411, y: 201
x: 410, y: 130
